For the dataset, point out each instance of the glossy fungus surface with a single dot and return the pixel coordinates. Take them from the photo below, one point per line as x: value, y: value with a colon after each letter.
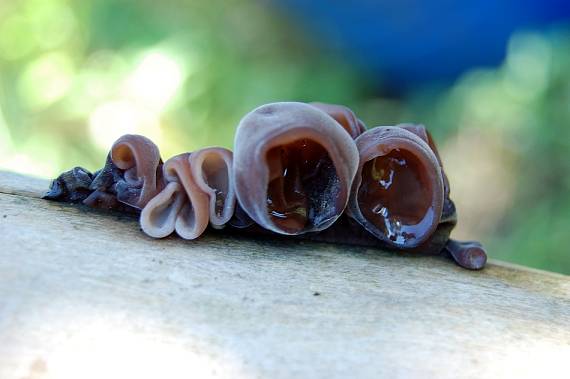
x: 398, y: 193
x: 293, y: 167
x: 301, y: 173
x: 396, y: 196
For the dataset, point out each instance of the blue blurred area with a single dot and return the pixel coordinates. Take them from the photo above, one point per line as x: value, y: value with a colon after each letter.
x: 409, y: 42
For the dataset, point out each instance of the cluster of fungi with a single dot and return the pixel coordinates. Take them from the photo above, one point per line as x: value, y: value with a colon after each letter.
x: 308, y: 170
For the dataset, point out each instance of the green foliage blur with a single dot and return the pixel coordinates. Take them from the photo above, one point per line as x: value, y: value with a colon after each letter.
x: 76, y: 75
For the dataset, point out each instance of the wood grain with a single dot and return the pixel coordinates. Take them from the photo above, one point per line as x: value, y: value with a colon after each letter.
x: 86, y: 294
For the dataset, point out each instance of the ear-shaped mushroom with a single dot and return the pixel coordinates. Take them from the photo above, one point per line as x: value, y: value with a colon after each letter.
x: 293, y: 167
x: 139, y: 158
x: 185, y: 204
x: 344, y: 116
x: 132, y: 174
x: 199, y: 189
x: 212, y: 169
x: 398, y: 193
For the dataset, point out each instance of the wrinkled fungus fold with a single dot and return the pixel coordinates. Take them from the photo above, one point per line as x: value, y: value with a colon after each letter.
x: 212, y: 169
x: 158, y: 217
x: 344, y: 116
x: 199, y: 191
x: 186, y: 204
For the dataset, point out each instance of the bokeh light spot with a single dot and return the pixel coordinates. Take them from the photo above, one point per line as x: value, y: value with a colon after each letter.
x: 52, y: 23
x: 155, y: 80
x: 112, y: 119
x: 47, y: 79
x: 527, y: 66
x: 15, y: 40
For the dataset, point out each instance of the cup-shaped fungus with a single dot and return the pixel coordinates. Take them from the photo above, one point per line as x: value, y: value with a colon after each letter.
x: 398, y: 193
x: 293, y: 167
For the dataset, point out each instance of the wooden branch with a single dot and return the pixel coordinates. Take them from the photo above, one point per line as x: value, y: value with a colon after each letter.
x: 86, y: 294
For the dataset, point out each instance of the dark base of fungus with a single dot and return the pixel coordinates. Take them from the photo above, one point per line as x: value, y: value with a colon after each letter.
x: 98, y: 190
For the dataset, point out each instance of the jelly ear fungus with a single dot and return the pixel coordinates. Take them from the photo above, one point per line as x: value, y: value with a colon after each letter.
x: 180, y: 207
x: 293, y: 167
x: 212, y: 169
x: 138, y: 159
x: 198, y: 191
x: 296, y: 169
x: 398, y: 192
x: 131, y: 177
x: 401, y: 194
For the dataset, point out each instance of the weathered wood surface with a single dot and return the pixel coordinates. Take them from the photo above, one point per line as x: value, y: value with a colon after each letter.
x: 87, y: 295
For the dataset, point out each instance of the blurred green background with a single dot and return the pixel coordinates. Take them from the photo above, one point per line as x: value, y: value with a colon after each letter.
x: 76, y: 75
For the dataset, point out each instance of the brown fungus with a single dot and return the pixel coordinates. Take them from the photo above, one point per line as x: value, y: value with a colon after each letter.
x: 293, y: 167
x: 199, y: 190
x: 398, y: 193
x: 139, y: 159
x: 182, y: 206
x: 212, y: 168
x: 296, y: 168
x: 132, y: 175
